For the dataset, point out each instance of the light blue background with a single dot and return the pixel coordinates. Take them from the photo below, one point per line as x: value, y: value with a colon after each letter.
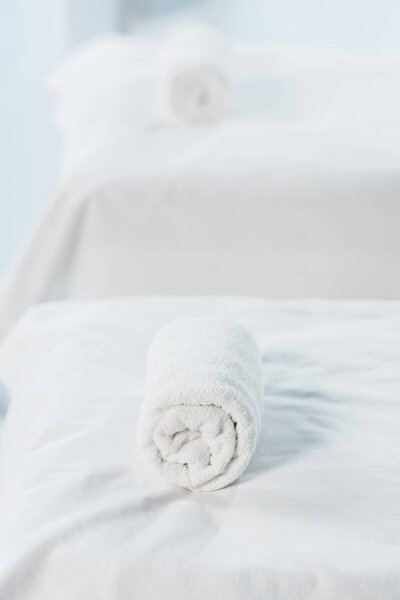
x: 34, y: 35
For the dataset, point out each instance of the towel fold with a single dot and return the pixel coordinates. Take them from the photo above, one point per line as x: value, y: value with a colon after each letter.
x: 193, y: 80
x: 201, y: 415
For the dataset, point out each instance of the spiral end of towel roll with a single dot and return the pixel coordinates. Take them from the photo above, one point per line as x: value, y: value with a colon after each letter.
x: 193, y: 76
x: 201, y: 416
x: 197, y: 95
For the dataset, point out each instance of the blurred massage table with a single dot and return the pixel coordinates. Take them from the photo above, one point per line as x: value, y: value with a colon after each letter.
x: 296, y: 197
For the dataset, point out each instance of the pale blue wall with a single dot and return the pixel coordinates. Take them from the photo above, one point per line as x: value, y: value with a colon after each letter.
x: 352, y: 24
x: 32, y: 40
x: 7, y: 61
x: 34, y: 35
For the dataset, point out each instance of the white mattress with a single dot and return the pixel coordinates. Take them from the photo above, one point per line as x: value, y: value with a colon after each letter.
x: 316, y: 515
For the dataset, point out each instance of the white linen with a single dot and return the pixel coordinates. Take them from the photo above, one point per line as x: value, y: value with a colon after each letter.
x: 315, y: 515
x: 102, y: 85
x: 201, y: 416
x: 129, y: 225
x: 299, y: 199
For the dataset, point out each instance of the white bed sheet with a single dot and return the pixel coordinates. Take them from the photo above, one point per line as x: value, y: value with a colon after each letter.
x: 315, y: 516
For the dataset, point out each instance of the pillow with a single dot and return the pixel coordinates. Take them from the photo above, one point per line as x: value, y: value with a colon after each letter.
x: 103, y: 84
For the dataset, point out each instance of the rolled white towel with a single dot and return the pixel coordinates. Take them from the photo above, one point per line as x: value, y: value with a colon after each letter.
x: 201, y: 416
x: 193, y: 76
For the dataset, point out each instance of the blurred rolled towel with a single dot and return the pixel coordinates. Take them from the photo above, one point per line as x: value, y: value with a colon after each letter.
x: 201, y: 416
x: 193, y: 76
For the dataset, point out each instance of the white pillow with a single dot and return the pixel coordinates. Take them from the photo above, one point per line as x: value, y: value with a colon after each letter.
x: 104, y: 84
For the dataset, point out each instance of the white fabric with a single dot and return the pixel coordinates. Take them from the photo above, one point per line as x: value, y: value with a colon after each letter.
x: 297, y: 199
x: 316, y: 514
x: 193, y: 73
x: 102, y: 86
x: 201, y: 417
